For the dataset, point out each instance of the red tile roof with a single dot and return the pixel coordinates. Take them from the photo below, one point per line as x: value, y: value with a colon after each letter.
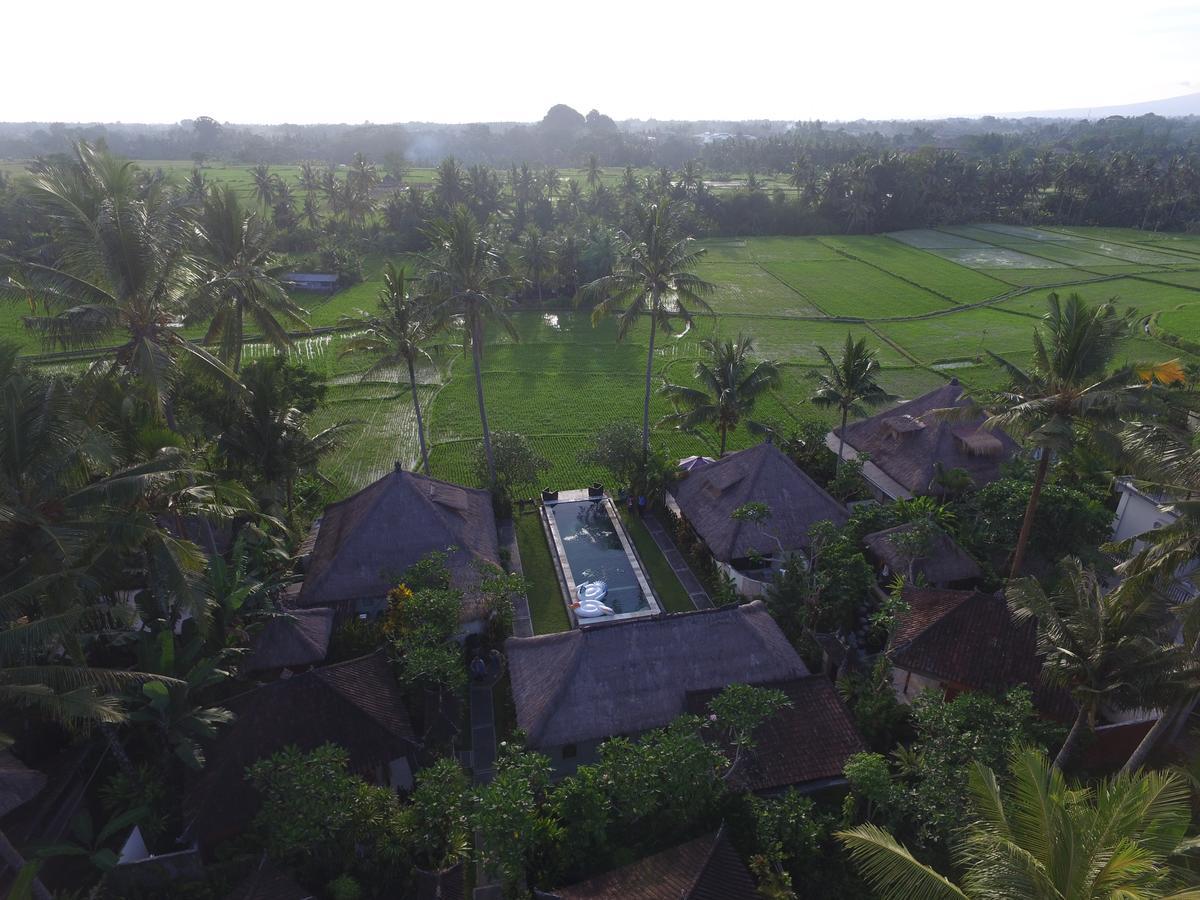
x: 807, y: 742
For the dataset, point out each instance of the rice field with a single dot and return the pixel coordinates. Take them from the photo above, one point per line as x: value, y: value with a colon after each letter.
x: 933, y: 302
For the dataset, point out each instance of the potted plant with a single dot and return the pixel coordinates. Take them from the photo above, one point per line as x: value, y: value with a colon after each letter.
x: 596, y: 489
x: 548, y: 496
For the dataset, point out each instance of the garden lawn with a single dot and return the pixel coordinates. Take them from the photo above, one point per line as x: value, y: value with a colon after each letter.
x: 546, y: 607
x: 662, y: 577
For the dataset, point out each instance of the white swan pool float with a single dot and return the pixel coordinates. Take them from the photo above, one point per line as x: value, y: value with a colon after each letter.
x: 589, y: 606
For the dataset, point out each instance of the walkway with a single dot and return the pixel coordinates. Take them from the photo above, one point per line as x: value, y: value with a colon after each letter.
x: 679, y: 566
x: 522, y: 623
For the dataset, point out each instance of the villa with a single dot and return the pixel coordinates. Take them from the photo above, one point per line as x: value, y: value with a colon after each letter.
x: 943, y: 564
x: 359, y: 549
x: 707, y: 498
x: 908, y: 444
x: 574, y: 689
x: 1141, y: 510
x: 356, y: 704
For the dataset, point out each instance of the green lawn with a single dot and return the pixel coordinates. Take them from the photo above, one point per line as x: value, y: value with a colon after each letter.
x: 662, y: 578
x: 546, y: 607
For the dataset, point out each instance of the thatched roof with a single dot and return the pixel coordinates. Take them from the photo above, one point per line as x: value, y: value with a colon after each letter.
x: 628, y: 677
x: 707, y: 868
x: 970, y: 640
x: 907, y: 441
x: 945, y: 563
x: 356, y: 704
x: 291, y: 640
x: 367, y: 541
x: 801, y: 744
x: 709, y: 496
x: 18, y: 783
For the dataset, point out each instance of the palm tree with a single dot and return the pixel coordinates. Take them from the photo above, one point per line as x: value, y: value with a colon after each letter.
x: 654, y: 278
x: 1102, y: 647
x: 237, y: 247
x: 264, y: 185
x: 399, y: 334
x: 1067, y: 392
x: 731, y: 382
x: 1039, y: 838
x: 123, y: 265
x: 467, y: 284
x: 594, y: 172
x: 537, y: 257
x: 849, y: 384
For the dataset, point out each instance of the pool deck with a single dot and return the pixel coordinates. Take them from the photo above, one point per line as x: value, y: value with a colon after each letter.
x: 566, y: 579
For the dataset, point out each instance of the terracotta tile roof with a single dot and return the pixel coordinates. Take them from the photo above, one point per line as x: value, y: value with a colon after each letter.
x: 807, y: 742
x: 356, y: 704
x: 707, y: 868
x: 365, y: 542
x: 708, y: 497
x: 907, y: 442
x: 946, y: 561
x: 970, y: 640
x: 628, y: 677
x: 293, y: 639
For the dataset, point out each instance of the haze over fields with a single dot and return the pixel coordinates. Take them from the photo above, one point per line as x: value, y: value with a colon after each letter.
x: 876, y: 60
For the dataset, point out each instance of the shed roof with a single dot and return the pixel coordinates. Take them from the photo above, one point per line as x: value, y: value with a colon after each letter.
x: 628, y: 677
x: 946, y: 561
x: 709, y: 496
x: 908, y: 441
x: 295, y: 638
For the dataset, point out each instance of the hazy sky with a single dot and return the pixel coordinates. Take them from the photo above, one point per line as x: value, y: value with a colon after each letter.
x: 269, y: 61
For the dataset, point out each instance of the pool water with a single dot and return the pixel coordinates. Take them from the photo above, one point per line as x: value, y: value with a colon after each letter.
x: 595, y: 552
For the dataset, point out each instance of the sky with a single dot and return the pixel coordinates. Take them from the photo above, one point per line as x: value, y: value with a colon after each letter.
x: 264, y: 61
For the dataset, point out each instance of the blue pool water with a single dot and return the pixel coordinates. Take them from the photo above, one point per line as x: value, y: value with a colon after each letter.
x: 595, y: 553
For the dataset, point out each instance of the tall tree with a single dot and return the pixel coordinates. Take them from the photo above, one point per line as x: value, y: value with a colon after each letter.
x: 123, y: 267
x: 1038, y: 837
x: 537, y: 257
x: 1102, y: 647
x: 654, y: 278
x: 467, y: 283
x: 1068, y: 392
x: 240, y: 281
x: 731, y: 381
x: 399, y: 333
x: 594, y: 173
x: 849, y: 383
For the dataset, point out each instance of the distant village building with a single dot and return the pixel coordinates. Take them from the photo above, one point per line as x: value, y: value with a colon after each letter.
x: 575, y: 689
x: 707, y: 868
x: 310, y: 281
x: 360, y: 547
x: 749, y: 552
x: 908, y: 443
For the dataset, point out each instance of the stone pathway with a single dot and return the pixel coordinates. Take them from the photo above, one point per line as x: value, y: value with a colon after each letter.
x: 679, y: 566
x: 522, y: 623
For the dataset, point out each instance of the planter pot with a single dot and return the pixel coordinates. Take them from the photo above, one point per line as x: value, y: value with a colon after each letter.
x: 549, y: 495
x: 596, y: 490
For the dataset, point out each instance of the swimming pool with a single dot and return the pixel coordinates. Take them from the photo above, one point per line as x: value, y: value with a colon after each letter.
x: 591, y: 545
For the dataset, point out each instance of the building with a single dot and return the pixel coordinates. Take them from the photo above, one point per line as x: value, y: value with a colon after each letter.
x: 804, y: 745
x: 310, y: 281
x: 749, y: 552
x: 294, y: 640
x: 956, y: 641
x: 355, y: 704
x: 575, y: 689
x: 362, y: 546
x: 707, y: 868
x: 908, y: 444
x: 1141, y: 510
x: 943, y: 564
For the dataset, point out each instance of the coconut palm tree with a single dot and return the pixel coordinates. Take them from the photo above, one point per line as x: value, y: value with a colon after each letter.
x: 264, y: 185
x: 123, y: 268
x: 653, y: 279
x: 849, y: 383
x: 467, y: 284
x: 537, y: 257
x: 236, y: 246
x: 594, y: 173
x: 731, y: 381
x: 1039, y: 838
x: 399, y: 334
x: 1068, y: 392
x: 1105, y: 648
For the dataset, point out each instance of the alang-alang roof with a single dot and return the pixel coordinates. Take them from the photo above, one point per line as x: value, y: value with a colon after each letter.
x: 908, y: 441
